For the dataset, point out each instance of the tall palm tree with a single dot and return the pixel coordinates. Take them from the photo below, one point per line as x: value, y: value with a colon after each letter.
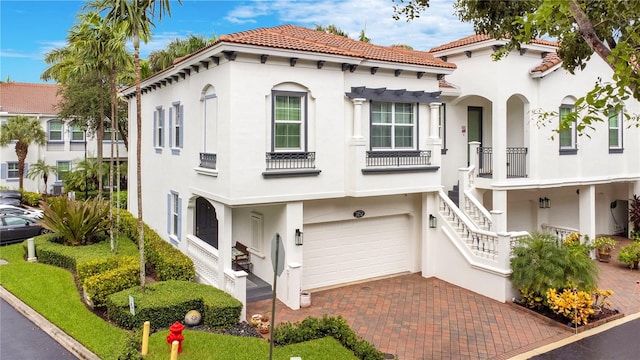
x: 137, y: 17
x: 162, y: 59
x: 41, y: 169
x: 26, y: 131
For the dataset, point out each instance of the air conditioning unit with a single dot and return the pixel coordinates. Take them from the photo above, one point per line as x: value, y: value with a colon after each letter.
x: 57, y: 189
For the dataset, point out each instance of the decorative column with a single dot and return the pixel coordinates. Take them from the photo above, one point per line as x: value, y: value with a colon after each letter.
x: 290, y: 282
x: 587, y: 211
x: 357, y: 117
x: 435, y: 118
x: 499, y: 140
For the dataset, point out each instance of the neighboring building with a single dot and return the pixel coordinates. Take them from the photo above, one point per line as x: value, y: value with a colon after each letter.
x: 343, y: 148
x: 65, y: 143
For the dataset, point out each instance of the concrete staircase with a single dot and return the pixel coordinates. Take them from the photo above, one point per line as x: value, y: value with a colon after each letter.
x: 257, y: 289
x: 454, y: 195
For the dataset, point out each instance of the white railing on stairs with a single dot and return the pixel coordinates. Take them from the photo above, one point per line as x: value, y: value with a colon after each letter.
x: 205, y: 259
x: 476, y: 211
x: 560, y: 232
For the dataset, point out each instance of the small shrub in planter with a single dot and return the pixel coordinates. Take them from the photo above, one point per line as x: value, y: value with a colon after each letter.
x: 630, y: 254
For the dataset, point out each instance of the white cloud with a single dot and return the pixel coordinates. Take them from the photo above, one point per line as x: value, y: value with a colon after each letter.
x: 247, y: 13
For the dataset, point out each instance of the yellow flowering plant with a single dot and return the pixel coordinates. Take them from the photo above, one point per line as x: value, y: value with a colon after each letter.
x: 600, y: 298
x: 572, y: 304
x: 572, y: 239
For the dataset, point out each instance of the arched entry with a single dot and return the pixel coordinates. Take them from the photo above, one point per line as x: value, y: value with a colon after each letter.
x: 206, y: 222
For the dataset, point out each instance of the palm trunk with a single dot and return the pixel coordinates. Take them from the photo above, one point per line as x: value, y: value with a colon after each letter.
x: 100, y: 139
x: 21, y: 151
x: 112, y: 128
x: 136, y: 42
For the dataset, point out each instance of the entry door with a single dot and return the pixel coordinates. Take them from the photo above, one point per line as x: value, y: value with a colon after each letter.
x: 206, y: 222
x: 474, y: 128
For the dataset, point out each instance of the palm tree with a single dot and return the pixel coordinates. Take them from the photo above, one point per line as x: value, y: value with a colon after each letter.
x: 25, y: 131
x: 41, y: 169
x: 162, y: 59
x: 137, y: 18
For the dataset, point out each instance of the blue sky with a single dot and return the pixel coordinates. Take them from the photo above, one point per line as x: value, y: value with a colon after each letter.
x: 29, y: 28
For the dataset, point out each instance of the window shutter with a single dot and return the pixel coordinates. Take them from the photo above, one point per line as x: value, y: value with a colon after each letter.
x: 48, y: 130
x: 26, y: 168
x: 179, y: 231
x: 163, y: 128
x: 3, y: 171
x: 155, y: 128
x: 170, y: 127
x: 181, y: 126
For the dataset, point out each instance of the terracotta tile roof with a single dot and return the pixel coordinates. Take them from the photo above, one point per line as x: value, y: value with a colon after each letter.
x: 299, y: 38
x: 550, y: 60
x: 24, y: 98
x: 442, y: 83
x: 473, y: 39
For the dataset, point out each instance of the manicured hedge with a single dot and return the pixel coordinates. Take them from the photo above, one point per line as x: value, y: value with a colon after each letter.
x: 103, y: 278
x: 168, y: 262
x: 314, y: 328
x: 163, y: 303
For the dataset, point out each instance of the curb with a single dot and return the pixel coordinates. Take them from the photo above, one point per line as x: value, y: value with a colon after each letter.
x: 55, y: 332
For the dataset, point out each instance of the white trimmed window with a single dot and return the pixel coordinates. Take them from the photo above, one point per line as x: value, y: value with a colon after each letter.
x: 77, y: 135
x: 392, y: 125
x: 176, y: 120
x: 64, y: 167
x: 568, y: 144
x: 158, y: 127
x: 174, y: 215
x: 289, y: 121
x: 54, y: 131
x: 12, y: 170
x: 615, y: 129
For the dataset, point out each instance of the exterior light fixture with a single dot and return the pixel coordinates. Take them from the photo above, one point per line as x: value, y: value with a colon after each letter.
x: 433, y: 221
x: 544, y: 203
x: 299, y: 237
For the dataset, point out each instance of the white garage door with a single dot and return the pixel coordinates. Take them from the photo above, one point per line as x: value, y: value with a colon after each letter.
x: 345, y: 251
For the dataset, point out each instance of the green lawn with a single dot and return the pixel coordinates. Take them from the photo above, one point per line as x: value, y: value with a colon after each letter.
x: 51, y: 291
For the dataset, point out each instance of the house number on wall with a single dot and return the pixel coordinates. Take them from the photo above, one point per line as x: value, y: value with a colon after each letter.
x: 358, y: 214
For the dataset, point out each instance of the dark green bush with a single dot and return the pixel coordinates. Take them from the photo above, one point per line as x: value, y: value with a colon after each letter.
x: 131, y: 348
x: 163, y: 303
x: 101, y: 285
x: 168, y: 262
x: 314, y: 328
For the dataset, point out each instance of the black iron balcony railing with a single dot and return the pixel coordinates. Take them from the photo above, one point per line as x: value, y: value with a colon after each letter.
x: 208, y: 161
x: 398, y: 158
x: 516, y: 162
x: 290, y: 160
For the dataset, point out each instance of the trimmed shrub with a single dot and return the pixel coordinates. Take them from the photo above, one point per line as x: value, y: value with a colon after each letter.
x: 89, y: 268
x: 99, y: 286
x: 164, y: 303
x: 336, y: 327
x: 31, y: 198
x: 168, y: 262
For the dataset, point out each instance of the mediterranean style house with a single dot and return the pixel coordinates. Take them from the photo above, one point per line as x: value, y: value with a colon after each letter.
x: 368, y: 161
x: 66, y: 144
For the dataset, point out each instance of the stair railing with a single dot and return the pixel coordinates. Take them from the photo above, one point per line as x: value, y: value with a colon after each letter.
x: 477, y: 212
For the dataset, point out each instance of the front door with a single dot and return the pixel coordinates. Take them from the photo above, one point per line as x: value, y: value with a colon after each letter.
x: 474, y: 128
x: 206, y: 222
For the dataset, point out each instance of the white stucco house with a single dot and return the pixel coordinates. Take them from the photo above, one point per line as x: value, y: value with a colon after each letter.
x: 347, y: 149
x: 65, y: 145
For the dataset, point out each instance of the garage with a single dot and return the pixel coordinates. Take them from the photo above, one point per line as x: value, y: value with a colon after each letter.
x: 345, y: 251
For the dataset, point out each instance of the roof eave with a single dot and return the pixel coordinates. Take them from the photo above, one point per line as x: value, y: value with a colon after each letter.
x: 541, y: 74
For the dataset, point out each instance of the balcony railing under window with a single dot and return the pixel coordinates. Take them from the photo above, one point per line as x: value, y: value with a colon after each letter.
x: 208, y: 161
x: 290, y: 160
x: 516, y: 162
x: 398, y: 158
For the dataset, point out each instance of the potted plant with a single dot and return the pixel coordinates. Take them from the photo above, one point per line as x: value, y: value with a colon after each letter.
x: 634, y: 217
x: 630, y: 255
x: 604, y: 245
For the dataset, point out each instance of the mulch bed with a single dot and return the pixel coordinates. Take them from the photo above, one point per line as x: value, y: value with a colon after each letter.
x: 543, y: 313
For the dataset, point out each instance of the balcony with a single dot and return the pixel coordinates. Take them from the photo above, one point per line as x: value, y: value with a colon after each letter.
x: 398, y: 161
x: 516, y: 162
x: 208, y: 161
x: 287, y: 164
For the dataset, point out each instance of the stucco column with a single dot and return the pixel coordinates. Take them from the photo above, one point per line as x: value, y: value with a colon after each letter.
x: 587, y: 211
x: 499, y: 141
x: 430, y: 205
x: 225, y: 239
x: 357, y: 117
x: 290, y: 282
x: 499, y: 203
x: 435, y: 117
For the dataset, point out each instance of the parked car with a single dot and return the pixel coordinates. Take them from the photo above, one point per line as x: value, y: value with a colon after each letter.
x: 10, y: 194
x: 9, y: 201
x: 15, y: 228
x: 18, y: 210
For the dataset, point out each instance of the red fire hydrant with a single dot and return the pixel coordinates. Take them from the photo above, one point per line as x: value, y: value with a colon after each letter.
x: 175, y: 333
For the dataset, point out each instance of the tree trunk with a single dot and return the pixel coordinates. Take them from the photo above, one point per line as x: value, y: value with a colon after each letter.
x: 21, y: 151
x: 100, y: 139
x: 138, y: 164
